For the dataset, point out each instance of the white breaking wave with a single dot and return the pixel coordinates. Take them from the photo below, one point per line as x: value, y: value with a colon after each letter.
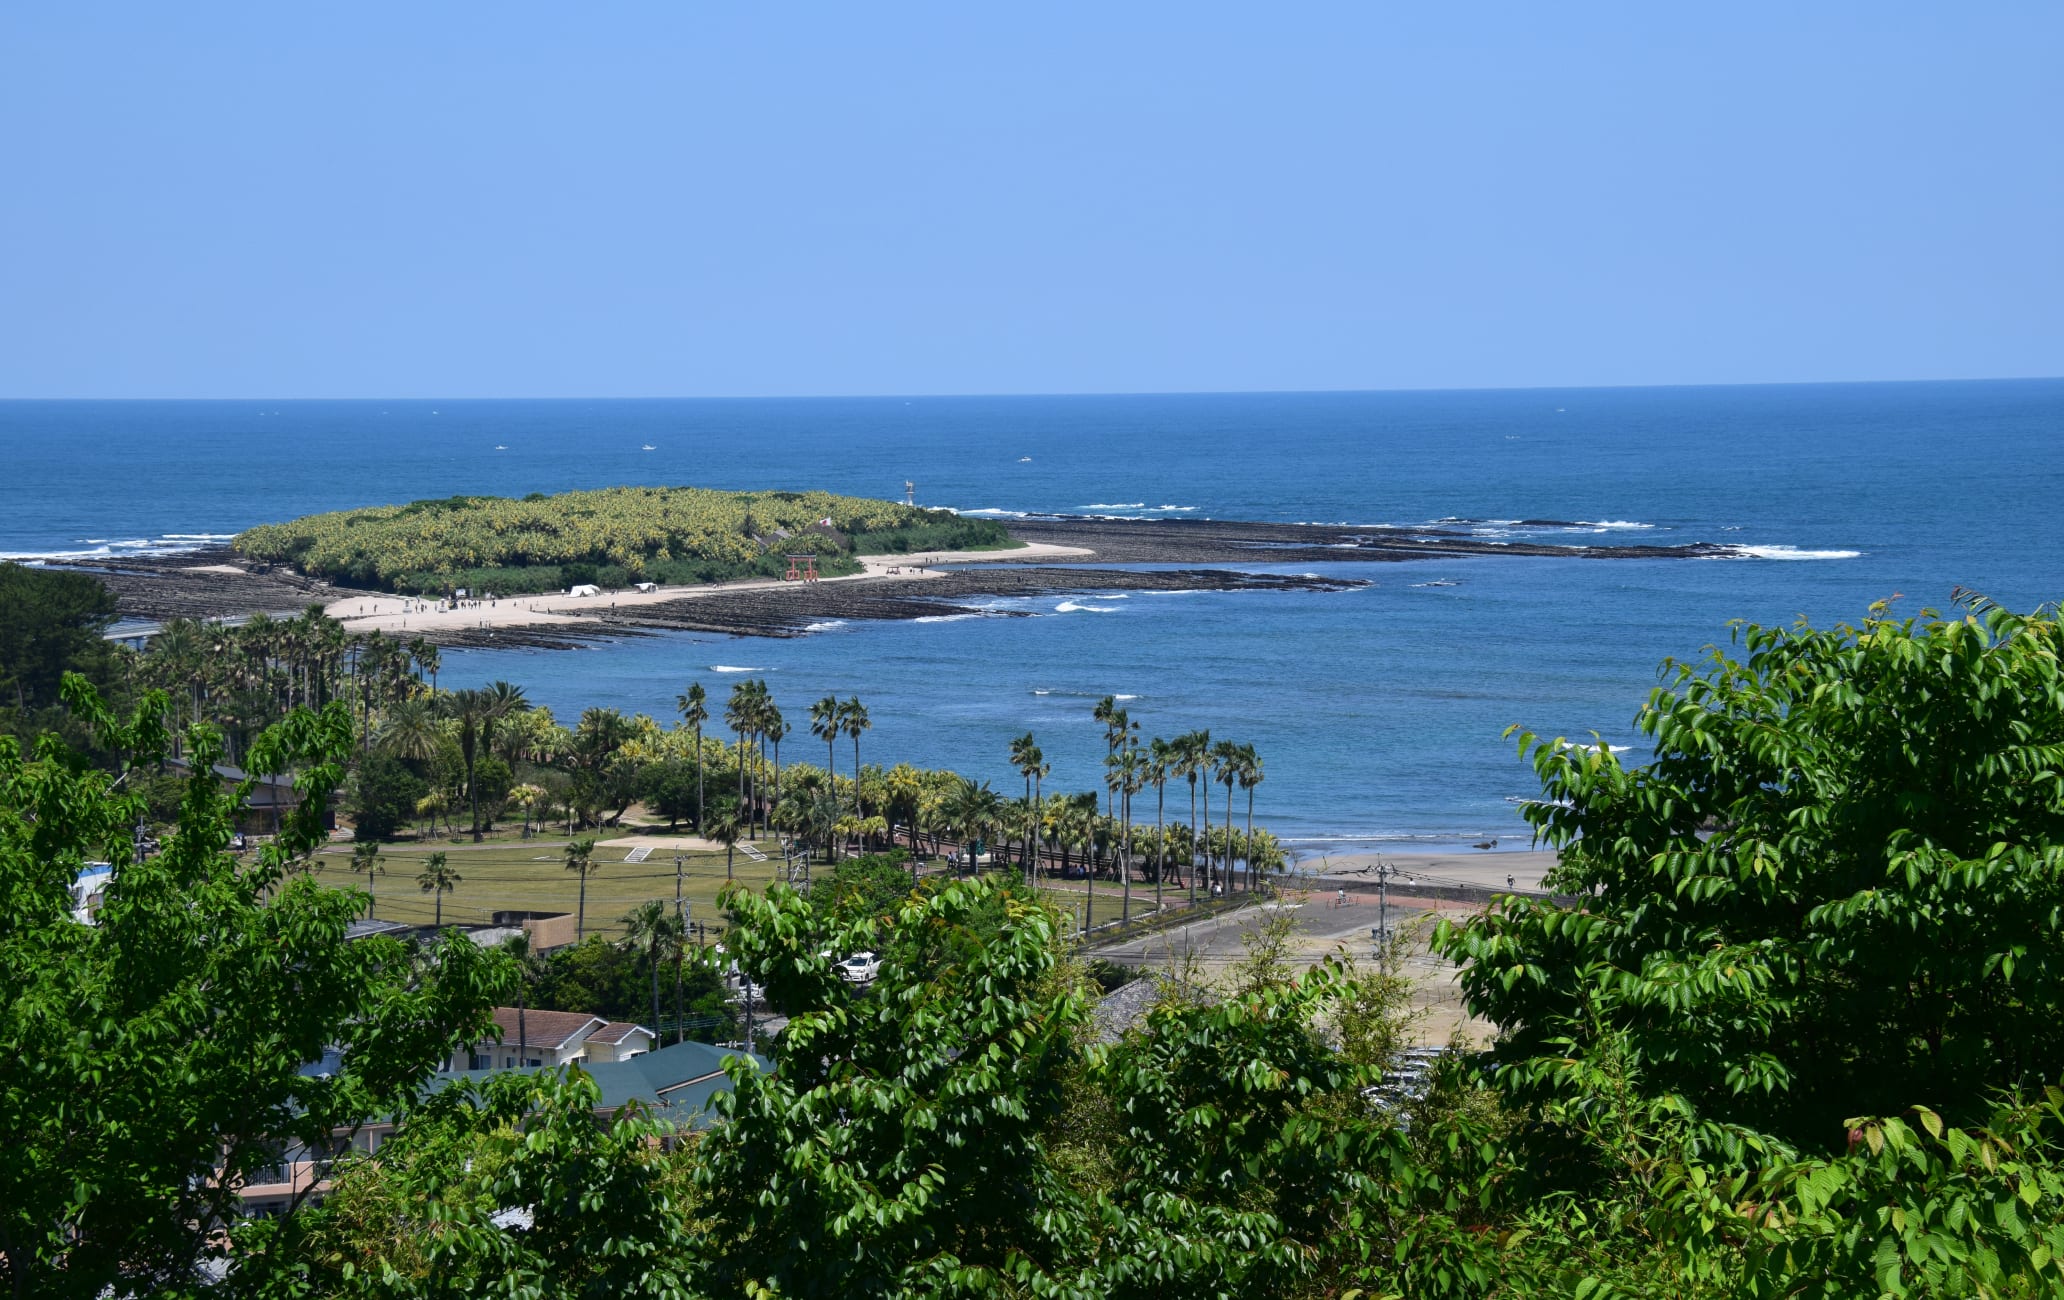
x: 732, y: 668
x: 1070, y: 607
x: 993, y: 513
x: 1611, y: 525
x: 1114, y: 505
x: 1125, y: 697
x: 944, y: 618
x: 1787, y: 553
x: 826, y: 626
x: 100, y: 548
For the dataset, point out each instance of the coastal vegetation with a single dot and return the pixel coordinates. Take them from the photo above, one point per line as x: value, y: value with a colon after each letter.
x: 1790, y: 1032
x: 51, y: 623
x: 610, y: 536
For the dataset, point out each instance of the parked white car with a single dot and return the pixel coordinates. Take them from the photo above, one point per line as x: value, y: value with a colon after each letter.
x: 860, y: 968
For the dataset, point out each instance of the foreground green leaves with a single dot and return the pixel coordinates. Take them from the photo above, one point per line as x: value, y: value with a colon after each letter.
x: 154, y: 1061
x: 1838, y: 888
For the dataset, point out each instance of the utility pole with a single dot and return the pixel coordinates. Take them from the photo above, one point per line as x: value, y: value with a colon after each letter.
x: 1383, y: 915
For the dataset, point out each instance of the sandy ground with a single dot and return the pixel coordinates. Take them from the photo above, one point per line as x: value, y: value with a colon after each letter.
x: 1325, y: 927
x: 408, y: 614
x: 1519, y: 869
x: 1322, y: 929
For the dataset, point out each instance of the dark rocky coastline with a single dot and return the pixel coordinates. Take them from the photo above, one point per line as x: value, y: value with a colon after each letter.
x: 218, y: 583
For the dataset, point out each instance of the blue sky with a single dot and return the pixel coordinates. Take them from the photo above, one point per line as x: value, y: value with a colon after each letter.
x: 679, y: 199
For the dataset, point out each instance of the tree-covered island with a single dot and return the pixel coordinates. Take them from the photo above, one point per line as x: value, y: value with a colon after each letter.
x: 611, y: 536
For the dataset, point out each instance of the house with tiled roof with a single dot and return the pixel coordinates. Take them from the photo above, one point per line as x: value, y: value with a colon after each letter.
x: 620, y: 1040
x: 530, y: 1038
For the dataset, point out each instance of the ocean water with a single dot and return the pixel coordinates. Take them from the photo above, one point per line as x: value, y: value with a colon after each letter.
x: 1378, y: 712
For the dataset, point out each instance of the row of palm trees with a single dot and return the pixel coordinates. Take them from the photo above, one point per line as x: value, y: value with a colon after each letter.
x: 1130, y: 769
x: 756, y: 720
x: 245, y: 677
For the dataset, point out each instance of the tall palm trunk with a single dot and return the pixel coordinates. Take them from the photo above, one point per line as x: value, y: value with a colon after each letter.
x: 1231, y: 880
x: 699, y: 819
x: 1090, y: 847
x: 1160, y: 841
x: 653, y: 959
x: 742, y: 806
x: 1038, y: 827
x: 1125, y: 856
x: 1250, y: 837
x: 1194, y: 840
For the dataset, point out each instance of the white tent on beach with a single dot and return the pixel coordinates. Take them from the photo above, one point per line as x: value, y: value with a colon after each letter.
x: 584, y: 589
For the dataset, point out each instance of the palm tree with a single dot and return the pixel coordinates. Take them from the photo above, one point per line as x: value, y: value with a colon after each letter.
x: 438, y: 878
x: 580, y: 857
x: 1132, y: 778
x: 853, y: 720
x: 651, y: 926
x: 1192, y: 748
x: 1082, y: 828
x: 1107, y: 712
x: 1250, y: 776
x: 527, y: 797
x: 476, y: 712
x: 366, y: 858
x: 773, y: 727
x: 694, y: 706
x: 1114, y: 787
x: 1160, y: 763
x: 1025, y: 756
x: 827, y: 725
x: 427, y: 660
x: 517, y: 946
x: 723, y: 828
x: 412, y: 730
x: 1225, y: 765
x: 428, y: 807
x: 972, y: 810
x: 738, y: 715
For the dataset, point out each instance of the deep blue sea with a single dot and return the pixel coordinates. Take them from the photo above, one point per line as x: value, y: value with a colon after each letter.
x: 1378, y: 712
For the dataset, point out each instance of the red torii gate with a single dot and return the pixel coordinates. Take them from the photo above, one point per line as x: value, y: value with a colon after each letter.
x: 807, y: 572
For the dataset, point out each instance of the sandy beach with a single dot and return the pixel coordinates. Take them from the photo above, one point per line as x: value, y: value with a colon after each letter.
x: 412, y: 616
x: 1495, y: 869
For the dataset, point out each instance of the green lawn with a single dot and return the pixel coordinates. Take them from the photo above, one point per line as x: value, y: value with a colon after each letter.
x: 518, y: 875
x: 509, y: 874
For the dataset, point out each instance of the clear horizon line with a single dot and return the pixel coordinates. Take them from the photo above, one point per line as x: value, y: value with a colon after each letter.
x: 1113, y: 392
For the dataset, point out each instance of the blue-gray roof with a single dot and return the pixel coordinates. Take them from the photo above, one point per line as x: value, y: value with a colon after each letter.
x: 674, y: 1084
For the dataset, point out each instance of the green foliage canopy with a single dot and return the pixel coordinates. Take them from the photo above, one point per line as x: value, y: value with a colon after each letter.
x: 522, y: 545
x: 1838, y: 889
x: 153, y: 1061
x: 50, y: 624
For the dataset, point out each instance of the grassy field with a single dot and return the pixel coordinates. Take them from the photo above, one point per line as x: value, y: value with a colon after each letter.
x: 519, y: 875
x: 508, y: 874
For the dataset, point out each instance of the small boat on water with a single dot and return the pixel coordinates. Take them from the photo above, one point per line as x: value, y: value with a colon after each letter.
x: 1024, y: 460
x: 650, y: 447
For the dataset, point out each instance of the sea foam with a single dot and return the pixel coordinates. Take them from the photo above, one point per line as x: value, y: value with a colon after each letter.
x: 1787, y: 553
